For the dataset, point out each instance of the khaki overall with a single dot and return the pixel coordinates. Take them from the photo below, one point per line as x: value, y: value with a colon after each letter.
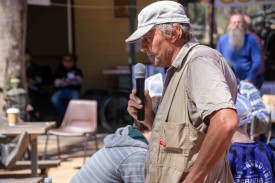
x: 175, y: 142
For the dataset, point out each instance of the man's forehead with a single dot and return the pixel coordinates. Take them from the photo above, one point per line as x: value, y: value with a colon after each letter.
x: 150, y: 33
x: 236, y: 18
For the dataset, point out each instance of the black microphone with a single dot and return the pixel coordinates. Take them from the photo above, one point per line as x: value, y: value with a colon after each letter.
x: 140, y: 76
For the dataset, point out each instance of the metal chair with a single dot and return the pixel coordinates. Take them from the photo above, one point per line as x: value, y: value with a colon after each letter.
x: 80, y: 120
x: 257, y: 128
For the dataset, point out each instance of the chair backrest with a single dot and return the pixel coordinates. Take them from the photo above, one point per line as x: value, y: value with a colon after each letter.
x: 81, y: 116
x: 269, y: 102
x: 257, y: 127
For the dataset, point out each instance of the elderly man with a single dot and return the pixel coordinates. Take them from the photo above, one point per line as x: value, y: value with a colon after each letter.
x: 196, y: 118
x: 241, y: 49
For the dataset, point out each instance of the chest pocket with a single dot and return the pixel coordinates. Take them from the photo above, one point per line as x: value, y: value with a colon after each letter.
x: 179, y: 145
x: 178, y: 149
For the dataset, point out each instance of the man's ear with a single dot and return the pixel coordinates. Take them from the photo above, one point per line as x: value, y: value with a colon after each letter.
x: 176, y: 34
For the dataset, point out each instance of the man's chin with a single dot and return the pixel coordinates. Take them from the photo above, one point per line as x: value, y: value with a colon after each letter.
x: 155, y: 64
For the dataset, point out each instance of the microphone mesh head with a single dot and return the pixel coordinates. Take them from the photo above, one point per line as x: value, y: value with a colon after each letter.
x: 140, y: 71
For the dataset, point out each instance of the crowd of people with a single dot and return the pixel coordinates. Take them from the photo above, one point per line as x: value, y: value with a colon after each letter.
x: 197, y: 129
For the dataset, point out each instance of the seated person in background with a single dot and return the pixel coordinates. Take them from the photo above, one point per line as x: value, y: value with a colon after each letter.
x: 67, y: 82
x: 34, y: 79
x: 33, y: 72
x: 11, y: 151
x: 250, y: 161
x: 123, y: 157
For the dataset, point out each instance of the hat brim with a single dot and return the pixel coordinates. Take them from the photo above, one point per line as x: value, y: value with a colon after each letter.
x: 139, y: 33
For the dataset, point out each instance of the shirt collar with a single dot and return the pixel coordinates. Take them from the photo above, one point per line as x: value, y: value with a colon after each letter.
x: 183, y: 52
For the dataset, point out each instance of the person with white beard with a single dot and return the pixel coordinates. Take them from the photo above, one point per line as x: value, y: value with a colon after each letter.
x: 240, y: 49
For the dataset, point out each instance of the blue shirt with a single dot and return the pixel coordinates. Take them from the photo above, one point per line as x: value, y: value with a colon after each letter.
x: 251, y: 162
x: 246, y: 62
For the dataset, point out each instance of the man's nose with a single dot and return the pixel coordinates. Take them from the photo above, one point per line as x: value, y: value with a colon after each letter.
x: 237, y: 23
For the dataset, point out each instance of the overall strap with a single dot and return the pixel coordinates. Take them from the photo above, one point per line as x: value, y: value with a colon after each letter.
x: 173, y: 84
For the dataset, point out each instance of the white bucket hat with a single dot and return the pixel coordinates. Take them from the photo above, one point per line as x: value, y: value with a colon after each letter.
x: 155, y: 85
x: 244, y: 110
x: 158, y: 13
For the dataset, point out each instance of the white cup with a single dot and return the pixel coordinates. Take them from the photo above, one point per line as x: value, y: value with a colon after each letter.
x: 13, y: 116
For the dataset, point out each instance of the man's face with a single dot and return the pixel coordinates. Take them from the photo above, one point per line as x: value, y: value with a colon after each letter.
x: 157, y: 48
x: 67, y: 62
x: 236, y: 21
x: 236, y: 31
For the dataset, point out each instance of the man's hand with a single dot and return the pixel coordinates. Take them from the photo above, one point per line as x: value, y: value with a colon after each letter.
x: 135, y: 103
x: 220, y: 131
x: 247, y: 80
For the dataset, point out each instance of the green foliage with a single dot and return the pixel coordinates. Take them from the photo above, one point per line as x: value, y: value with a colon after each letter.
x: 196, y: 13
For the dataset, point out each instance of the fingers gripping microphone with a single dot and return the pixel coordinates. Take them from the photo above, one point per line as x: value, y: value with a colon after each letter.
x: 140, y: 76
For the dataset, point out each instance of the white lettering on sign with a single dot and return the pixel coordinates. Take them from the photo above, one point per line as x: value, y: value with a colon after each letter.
x: 234, y: 3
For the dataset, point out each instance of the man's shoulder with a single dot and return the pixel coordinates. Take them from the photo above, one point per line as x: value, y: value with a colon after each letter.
x: 138, y: 155
x: 251, y: 39
x: 206, y: 51
x: 207, y: 54
x: 209, y: 58
x: 223, y: 37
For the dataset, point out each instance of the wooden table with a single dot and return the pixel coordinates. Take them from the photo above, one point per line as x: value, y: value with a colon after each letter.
x: 33, y: 129
x: 24, y: 180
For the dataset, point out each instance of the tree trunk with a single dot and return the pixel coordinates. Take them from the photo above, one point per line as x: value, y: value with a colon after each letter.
x: 12, y: 45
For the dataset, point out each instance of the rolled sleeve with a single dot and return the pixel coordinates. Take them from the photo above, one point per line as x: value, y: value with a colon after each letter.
x: 217, y: 108
x: 207, y: 85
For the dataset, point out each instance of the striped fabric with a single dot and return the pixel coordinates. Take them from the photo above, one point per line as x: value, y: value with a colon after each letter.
x: 121, y: 160
x: 250, y: 92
